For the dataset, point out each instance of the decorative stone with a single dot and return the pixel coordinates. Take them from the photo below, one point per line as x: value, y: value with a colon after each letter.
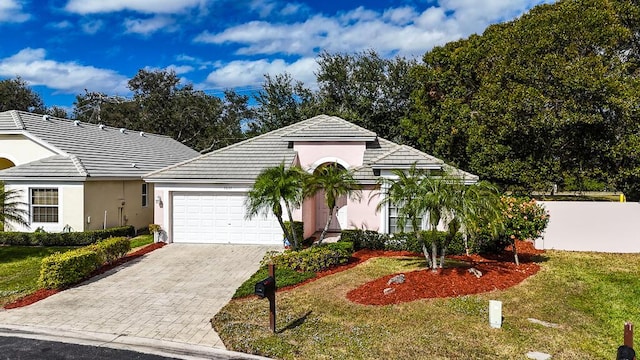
x: 398, y: 279
x: 475, y: 272
x: 544, y: 323
x: 388, y: 291
x: 536, y: 355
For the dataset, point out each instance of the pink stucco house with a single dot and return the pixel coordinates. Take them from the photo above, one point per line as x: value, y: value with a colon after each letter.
x: 202, y: 199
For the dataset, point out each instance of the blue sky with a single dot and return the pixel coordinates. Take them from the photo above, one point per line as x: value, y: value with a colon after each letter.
x: 61, y: 47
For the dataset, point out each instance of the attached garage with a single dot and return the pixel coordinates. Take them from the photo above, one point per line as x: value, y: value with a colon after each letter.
x: 218, y: 218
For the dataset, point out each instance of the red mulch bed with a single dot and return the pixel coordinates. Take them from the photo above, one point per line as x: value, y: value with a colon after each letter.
x: 45, y: 293
x: 498, y: 273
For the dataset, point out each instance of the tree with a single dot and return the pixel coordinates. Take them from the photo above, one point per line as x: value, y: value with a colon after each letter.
x: 273, y: 187
x: 366, y: 89
x: 548, y: 98
x: 15, y: 94
x: 12, y: 210
x: 281, y: 102
x: 335, y: 181
x: 405, y: 192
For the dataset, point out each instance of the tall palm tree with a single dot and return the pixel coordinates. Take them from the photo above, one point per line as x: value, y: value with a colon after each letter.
x: 336, y: 182
x: 12, y: 210
x: 273, y: 187
x: 437, y: 197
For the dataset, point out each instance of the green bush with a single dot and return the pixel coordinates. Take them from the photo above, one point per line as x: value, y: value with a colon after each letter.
x: 364, y: 239
x: 316, y: 258
x: 63, y: 239
x: 284, y: 277
x: 111, y: 249
x: 63, y: 269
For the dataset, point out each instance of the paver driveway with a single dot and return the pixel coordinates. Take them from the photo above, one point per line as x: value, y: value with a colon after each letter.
x: 169, y: 294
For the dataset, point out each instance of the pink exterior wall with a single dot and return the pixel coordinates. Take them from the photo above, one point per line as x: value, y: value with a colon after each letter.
x: 592, y: 226
x: 309, y: 153
x: 362, y: 214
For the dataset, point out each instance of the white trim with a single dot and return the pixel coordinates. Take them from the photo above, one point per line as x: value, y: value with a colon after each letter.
x: 328, y: 159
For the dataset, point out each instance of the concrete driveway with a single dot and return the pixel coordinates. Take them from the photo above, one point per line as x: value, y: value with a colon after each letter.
x: 169, y: 294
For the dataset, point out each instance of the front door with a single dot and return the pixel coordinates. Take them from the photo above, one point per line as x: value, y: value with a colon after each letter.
x: 322, y: 212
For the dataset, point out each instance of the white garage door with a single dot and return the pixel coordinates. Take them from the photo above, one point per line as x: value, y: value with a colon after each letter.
x: 210, y: 217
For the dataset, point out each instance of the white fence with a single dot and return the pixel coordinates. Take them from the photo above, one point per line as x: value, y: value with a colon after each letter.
x: 592, y: 226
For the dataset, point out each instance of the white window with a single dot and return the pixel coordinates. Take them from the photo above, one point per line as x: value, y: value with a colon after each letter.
x: 145, y: 195
x: 44, y: 205
x: 393, y: 221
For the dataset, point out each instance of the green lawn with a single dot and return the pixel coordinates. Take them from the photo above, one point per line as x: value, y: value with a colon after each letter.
x: 20, y: 268
x: 590, y: 295
x: 141, y: 240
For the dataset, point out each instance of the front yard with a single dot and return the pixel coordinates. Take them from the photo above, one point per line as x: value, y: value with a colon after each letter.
x: 20, y: 268
x: 588, y: 295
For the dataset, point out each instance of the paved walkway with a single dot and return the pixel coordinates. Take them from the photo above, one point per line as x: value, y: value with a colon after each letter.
x: 169, y: 294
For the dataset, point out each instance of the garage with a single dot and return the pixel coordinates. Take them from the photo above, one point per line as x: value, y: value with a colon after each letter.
x: 218, y: 218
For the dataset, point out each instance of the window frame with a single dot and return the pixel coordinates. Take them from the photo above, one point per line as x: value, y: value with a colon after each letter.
x: 145, y: 195
x: 33, y: 205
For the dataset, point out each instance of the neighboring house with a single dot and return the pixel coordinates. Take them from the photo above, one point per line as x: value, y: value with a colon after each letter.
x: 81, y: 176
x: 202, y: 199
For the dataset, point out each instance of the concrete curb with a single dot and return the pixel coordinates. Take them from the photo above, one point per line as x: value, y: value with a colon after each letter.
x: 122, y: 342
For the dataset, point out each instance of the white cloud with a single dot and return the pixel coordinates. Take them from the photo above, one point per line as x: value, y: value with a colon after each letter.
x: 66, y: 77
x: 180, y: 69
x: 251, y: 73
x: 149, y: 26
x: 61, y: 25
x: 143, y: 6
x: 11, y: 11
x: 404, y: 30
x: 92, y: 26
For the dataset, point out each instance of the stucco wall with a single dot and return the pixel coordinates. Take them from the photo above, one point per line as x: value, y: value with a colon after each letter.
x: 70, y: 205
x: 110, y: 196
x: 362, y: 214
x: 312, y: 154
x: 21, y: 150
x: 592, y: 226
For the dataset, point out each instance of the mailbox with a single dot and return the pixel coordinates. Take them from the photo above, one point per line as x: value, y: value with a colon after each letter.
x: 265, y: 287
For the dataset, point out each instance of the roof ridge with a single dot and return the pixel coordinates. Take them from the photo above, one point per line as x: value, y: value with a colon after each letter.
x: 16, y: 119
x: 308, y: 121
x: 384, y: 155
x: 246, y: 141
x: 352, y: 125
x: 78, y: 163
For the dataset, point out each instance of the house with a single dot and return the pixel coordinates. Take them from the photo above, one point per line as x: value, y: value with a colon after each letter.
x: 79, y: 176
x: 202, y: 199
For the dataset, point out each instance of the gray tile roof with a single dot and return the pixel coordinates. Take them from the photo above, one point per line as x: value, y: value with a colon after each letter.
x: 242, y: 162
x: 94, y: 151
x: 327, y: 128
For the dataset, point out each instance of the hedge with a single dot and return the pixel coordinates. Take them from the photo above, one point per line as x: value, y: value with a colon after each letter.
x: 63, y: 269
x: 373, y: 240
x: 111, y: 249
x: 315, y: 258
x: 63, y: 239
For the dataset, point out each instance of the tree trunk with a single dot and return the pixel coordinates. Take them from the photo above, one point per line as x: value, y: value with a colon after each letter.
x: 426, y: 255
x: 326, y: 226
x: 293, y: 228
x: 434, y: 255
x: 284, y: 228
x: 466, y: 244
x: 515, y: 253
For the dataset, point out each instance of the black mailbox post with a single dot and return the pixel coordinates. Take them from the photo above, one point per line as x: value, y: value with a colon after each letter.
x: 267, y: 289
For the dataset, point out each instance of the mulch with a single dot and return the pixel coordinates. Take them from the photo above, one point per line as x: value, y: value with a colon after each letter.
x: 498, y: 273
x: 45, y: 293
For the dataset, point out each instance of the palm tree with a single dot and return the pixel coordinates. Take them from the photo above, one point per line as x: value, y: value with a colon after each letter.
x: 436, y: 200
x: 473, y: 206
x: 12, y: 210
x: 273, y: 187
x: 336, y: 182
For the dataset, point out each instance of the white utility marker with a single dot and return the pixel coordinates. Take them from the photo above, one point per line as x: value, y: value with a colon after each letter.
x: 495, y: 314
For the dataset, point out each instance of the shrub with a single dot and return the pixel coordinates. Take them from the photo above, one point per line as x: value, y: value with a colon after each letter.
x: 63, y: 269
x: 364, y: 239
x: 63, y: 239
x: 316, y: 258
x: 111, y: 249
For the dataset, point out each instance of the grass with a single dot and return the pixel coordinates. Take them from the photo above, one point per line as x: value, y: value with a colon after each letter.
x: 590, y: 295
x: 20, y: 269
x: 141, y: 240
x: 284, y: 276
